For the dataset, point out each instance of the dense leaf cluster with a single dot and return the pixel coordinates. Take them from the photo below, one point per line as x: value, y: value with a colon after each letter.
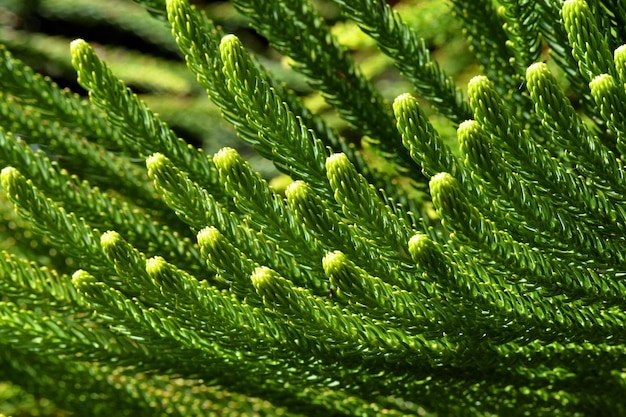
x: 165, y: 281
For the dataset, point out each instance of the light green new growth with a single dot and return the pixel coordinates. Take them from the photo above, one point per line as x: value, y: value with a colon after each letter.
x: 142, y: 276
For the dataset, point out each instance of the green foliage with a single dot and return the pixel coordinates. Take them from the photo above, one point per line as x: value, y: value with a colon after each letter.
x: 141, y: 275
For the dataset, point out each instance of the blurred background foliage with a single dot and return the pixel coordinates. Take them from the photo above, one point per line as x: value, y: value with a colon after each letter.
x: 141, y: 51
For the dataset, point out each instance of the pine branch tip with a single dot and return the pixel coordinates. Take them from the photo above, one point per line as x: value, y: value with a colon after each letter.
x: 81, y: 52
x: 77, y: 46
x: 82, y: 279
x: 442, y: 178
x: 537, y: 66
x: 422, y: 249
x: 262, y: 278
x: 336, y: 161
x: 154, y: 265
x: 208, y: 236
x: 155, y: 160
x: 402, y: 100
x: 227, y: 157
x: 448, y: 197
x: 296, y: 190
x: 170, y: 4
x: 9, y: 176
x: 333, y: 261
x: 478, y: 83
x: 536, y: 73
x: 416, y: 241
x: 602, y: 82
x: 234, y: 54
x: 469, y: 124
x: 230, y: 40
x: 109, y: 239
x: 573, y: 6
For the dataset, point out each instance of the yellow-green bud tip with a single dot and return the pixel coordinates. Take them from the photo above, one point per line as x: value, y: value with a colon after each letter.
x: 297, y: 190
x: 537, y: 67
x: 443, y: 178
x: 536, y: 74
x: 478, y: 86
x: 233, y: 52
x: 440, y: 182
x: 154, y: 265
x: 229, y: 39
x: 8, y: 176
x: 78, y: 45
x: 406, y: 107
x: 468, y: 125
x: 262, y: 277
x: 156, y: 160
x: 403, y: 100
x: 82, y: 279
x: 478, y: 80
x: 574, y: 6
x: 110, y: 239
x: 209, y: 236
x: 603, y: 83
x: 337, y: 161
x: 404, y: 97
x: 417, y: 244
x: 333, y: 261
x: 226, y: 158
x: 169, y: 4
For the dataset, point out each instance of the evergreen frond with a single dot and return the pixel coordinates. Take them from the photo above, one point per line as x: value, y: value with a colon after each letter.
x: 411, y: 56
x: 143, y: 275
